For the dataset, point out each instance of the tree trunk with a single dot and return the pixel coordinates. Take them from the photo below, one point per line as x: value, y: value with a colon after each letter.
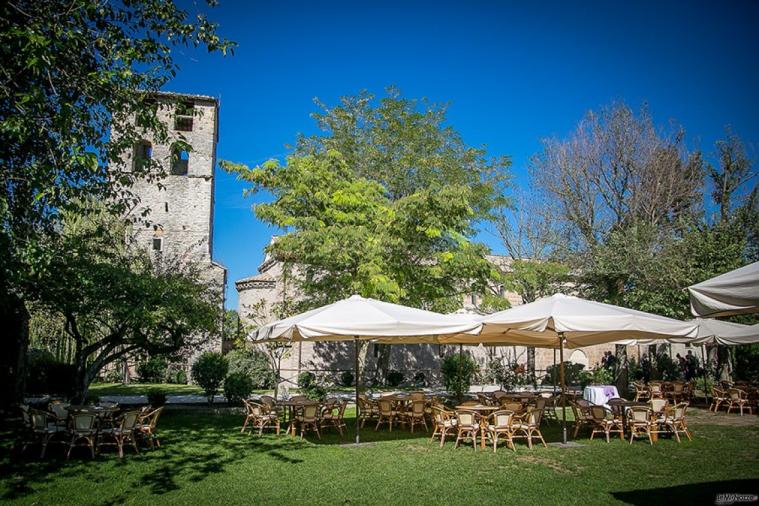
x: 622, y: 381
x: 13, y: 349
x: 383, y: 362
x: 531, y: 363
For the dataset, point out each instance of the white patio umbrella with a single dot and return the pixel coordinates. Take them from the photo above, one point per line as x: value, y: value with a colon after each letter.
x: 358, y: 318
x: 735, y: 292
x: 563, y: 320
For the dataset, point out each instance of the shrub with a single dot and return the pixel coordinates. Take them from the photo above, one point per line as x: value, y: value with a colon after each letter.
x: 152, y: 370
x: 45, y: 375
x: 394, y: 378
x: 602, y: 376
x: 346, y: 378
x: 255, y: 365
x: 572, y: 374
x: 420, y: 380
x: 306, y: 379
x: 237, y: 386
x: 667, y: 368
x: 176, y: 374
x: 156, y: 397
x: 457, y: 372
x: 747, y: 362
x: 209, y: 372
x: 310, y: 387
x: 113, y: 376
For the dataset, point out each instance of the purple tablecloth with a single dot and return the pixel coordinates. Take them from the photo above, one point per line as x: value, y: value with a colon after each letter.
x: 600, y: 394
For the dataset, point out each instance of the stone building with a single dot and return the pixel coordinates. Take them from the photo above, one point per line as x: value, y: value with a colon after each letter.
x: 178, y: 225
x: 258, y: 294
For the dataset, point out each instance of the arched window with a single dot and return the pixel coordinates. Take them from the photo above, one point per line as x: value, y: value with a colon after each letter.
x: 180, y: 159
x: 143, y: 152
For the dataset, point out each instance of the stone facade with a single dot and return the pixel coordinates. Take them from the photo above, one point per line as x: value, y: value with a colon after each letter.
x: 257, y: 294
x: 179, y: 220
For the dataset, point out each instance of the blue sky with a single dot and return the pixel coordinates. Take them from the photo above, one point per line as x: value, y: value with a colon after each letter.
x: 513, y: 73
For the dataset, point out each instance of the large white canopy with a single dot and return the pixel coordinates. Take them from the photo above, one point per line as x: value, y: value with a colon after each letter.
x: 710, y: 331
x: 367, y: 319
x: 734, y: 292
x: 581, y: 322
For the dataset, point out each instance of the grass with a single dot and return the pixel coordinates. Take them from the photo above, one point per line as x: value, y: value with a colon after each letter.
x: 101, y: 389
x: 205, y: 460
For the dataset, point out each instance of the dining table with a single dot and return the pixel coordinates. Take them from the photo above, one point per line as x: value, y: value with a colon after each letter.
x: 600, y: 394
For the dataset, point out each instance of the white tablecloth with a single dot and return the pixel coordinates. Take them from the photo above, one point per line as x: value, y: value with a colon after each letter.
x: 600, y: 394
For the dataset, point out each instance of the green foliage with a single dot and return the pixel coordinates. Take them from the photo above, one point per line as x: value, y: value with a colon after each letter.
x: 47, y: 376
x: 152, y: 370
x: 347, y: 379
x: 747, y: 363
x: 458, y: 370
x: 311, y: 387
x: 380, y: 206
x: 507, y: 375
x: 237, y: 386
x: 668, y: 368
x: 572, y: 374
x: 209, y: 371
x: 394, y: 378
x: 254, y: 365
x: 602, y: 376
x: 533, y: 279
x: 156, y: 397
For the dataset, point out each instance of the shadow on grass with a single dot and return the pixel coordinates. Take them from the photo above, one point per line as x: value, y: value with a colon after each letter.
x: 694, y: 493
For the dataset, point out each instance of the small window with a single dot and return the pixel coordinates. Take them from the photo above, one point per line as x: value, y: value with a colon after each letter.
x: 143, y: 152
x: 183, y: 116
x: 157, y: 244
x: 180, y: 160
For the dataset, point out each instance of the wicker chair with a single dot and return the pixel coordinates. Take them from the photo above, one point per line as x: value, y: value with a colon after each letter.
x: 332, y: 416
x: 442, y: 422
x: 467, y: 427
x: 60, y: 413
x: 719, y: 397
x: 674, y: 421
x: 658, y: 405
x: 416, y: 396
x: 656, y: 390
x: 368, y: 410
x: 146, y: 427
x: 415, y: 415
x: 387, y: 414
x: 639, y: 422
x: 40, y: 426
x: 122, y: 432
x: 641, y: 391
x: 605, y: 422
x: 308, y: 418
x: 508, y: 404
x: 550, y: 409
x: 677, y: 393
x: 738, y: 398
x: 500, y: 427
x: 582, y: 416
x: 82, y: 428
x: 528, y: 425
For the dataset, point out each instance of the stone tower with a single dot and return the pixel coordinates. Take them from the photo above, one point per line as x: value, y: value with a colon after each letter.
x: 179, y: 221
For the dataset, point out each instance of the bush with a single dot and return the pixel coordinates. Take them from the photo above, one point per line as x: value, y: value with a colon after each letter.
x: 420, y: 380
x: 152, y: 370
x: 237, y: 386
x: 747, y: 362
x: 310, y: 387
x: 175, y: 374
x: 602, y: 376
x: 156, y: 397
x: 113, y: 376
x: 209, y: 372
x: 394, y: 378
x: 45, y: 375
x: 255, y: 365
x: 573, y: 374
x: 306, y: 379
x: 457, y: 372
x: 347, y: 379
x: 668, y: 369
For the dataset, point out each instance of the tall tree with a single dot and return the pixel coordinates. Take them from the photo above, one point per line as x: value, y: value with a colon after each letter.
x: 69, y: 70
x: 382, y: 205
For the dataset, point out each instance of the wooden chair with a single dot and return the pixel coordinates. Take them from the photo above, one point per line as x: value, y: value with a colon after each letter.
x: 82, y: 428
x: 674, y: 421
x: 507, y: 404
x: 146, y: 427
x: 582, y: 416
x: 332, y: 416
x: 442, y: 422
x: 549, y: 413
x: 387, y: 414
x: 605, y: 422
x: 122, y: 432
x: 40, y: 427
x: 739, y: 398
x: 656, y: 390
x: 500, y: 426
x: 641, y: 391
x: 308, y: 418
x: 299, y: 398
x: 467, y: 426
x: 60, y: 413
x: 719, y: 397
x: 415, y: 414
x: 677, y: 393
x: 658, y: 405
x: 416, y: 396
x: 368, y: 410
x: 639, y: 422
x: 528, y: 425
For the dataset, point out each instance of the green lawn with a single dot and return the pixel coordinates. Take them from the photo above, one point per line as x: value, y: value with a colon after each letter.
x: 204, y: 460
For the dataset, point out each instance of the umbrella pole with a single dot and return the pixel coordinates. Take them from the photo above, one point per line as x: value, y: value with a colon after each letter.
x: 358, y: 376
x: 553, y: 375
x: 703, y: 357
x: 563, y: 390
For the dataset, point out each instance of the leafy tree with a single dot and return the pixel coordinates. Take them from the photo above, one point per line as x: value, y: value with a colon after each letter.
x: 115, y: 300
x: 381, y: 205
x: 70, y: 70
x: 458, y: 370
x: 209, y: 371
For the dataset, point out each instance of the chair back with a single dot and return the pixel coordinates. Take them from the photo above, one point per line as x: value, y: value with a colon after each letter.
x: 298, y: 398
x: 678, y: 387
x: 678, y: 413
x: 501, y: 418
x: 658, y: 405
x: 639, y: 414
x: 153, y: 417
x: 617, y: 406
x: 510, y: 405
x: 385, y: 407
x: 417, y: 408
x: 82, y: 422
x: 534, y: 416
x: 310, y: 411
x: 341, y: 409
x: 655, y: 388
x: 129, y: 420
x: 466, y: 418
x: 498, y: 394
x: 59, y: 409
x: 736, y: 394
x: 598, y: 412
x: 38, y: 419
x: 540, y: 402
x: 416, y: 396
x: 470, y: 403
x: 583, y: 403
x: 25, y: 416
